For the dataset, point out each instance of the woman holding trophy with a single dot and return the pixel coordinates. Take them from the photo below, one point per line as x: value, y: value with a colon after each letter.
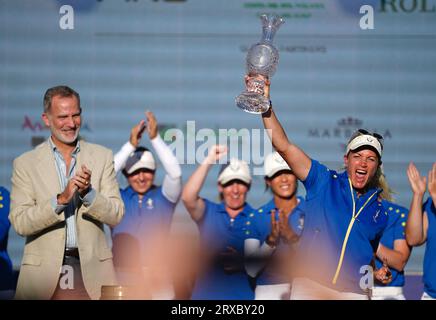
x: 344, y: 213
x: 344, y: 216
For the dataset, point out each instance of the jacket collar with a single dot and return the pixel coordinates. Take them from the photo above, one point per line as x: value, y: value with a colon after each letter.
x: 46, y: 165
x: 346, y: 189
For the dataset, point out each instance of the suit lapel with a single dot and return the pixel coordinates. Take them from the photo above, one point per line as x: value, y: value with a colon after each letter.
x: 85, y: 156
x: 46, y: 169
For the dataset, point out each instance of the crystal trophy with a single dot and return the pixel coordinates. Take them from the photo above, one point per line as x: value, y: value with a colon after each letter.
x: 261, y: 63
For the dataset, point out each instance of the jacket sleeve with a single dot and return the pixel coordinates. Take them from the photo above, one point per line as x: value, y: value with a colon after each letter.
x: 107, y: 207
x: 27, y: 215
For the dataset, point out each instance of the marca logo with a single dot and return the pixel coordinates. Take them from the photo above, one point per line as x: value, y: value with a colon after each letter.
x: 32, y: 126
x: 343, y: 130
x: 38, y: 125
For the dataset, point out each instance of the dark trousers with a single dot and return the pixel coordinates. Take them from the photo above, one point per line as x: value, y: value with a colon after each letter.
x: 70, y: 285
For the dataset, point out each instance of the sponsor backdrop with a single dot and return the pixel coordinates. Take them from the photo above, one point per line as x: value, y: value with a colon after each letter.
x: 184, y: 60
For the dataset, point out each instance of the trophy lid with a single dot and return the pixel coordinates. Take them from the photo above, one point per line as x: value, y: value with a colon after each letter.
x: 270, y: 24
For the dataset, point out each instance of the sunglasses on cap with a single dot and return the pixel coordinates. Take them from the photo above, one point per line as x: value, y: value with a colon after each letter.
x: 374, y: 134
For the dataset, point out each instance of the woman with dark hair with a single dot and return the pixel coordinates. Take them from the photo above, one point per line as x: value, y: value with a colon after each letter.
x: 274, y: 229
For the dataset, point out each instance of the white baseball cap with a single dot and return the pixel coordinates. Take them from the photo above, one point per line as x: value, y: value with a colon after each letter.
x: 274, y: 163
x: 235, y: 170
x: 365, y: 140
x: 141, y: 158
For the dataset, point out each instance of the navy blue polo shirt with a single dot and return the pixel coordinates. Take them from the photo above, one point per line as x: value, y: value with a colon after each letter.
x: 217, y: 232
x: 260, y: 228
x: 334, y: 246
x: 6, y: 277
x: 430, y: 250
x: 142, y: 218
x: 397, y: 218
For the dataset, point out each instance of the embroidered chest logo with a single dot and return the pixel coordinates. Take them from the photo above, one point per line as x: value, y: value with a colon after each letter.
x: 301, y: 222
x: 377, y: 213
x: 150, y: 204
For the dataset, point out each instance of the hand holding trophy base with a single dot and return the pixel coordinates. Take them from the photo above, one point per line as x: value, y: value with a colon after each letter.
x: 253, y: 99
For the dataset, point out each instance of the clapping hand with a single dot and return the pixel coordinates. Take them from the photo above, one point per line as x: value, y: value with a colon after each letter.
x: 151, y: 125
x: 82, y: 180
x: 417, y: 183
x: 384, y: 274
x: 286, y: 231
x: 136, y: 133
x: 274, y: 236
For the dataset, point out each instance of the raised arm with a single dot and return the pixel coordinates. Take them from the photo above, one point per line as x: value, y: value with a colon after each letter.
x: 121, y: 156
x: 172, y: 184
x: 417, y: 222
x: 191, y: 191
x: 297, y: 160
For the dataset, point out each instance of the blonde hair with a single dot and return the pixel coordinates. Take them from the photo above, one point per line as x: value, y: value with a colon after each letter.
x: 379, y: 181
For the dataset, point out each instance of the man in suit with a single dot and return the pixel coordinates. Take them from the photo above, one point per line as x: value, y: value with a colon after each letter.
x: 63, y: 192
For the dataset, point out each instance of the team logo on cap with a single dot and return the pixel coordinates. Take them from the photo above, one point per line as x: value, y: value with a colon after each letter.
x: 234, y: 165
x: 279, y: 160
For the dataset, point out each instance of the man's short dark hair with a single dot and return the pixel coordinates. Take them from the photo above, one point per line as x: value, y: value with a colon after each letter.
x: 63, y: 91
